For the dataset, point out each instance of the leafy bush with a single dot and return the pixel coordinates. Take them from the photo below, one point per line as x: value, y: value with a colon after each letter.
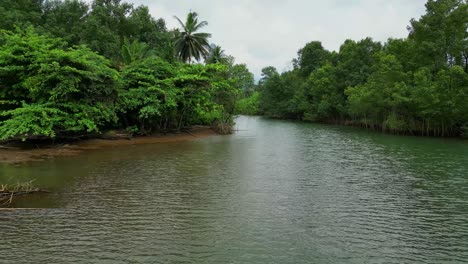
x: 249, y: 105
x: 60, y: 90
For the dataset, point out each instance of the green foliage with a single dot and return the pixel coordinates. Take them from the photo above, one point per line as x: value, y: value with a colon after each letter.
x: 216, y: 55
x: 29, y: 121
x: 64, y: 19
x: 354, y: 62
x: 18, y: 52
x: 147, y: 95
x: 324, y: 100
x: 249, y: 105
x: 440, y: 35
x: 146, y: 29
x: 271, y: 91
x: 189, y: 43
x: 61, y: 90
x: 416, y: 85
x: 134, y: 51
x: 54, y: 83
x: 159, y: 96
x: 384, y: 98
x: 243, y: 79
x: 102, y: 25
x: 19, y: 13
x: 311, y: 57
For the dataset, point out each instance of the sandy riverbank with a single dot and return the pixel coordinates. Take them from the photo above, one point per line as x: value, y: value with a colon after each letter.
x: 16, y: 156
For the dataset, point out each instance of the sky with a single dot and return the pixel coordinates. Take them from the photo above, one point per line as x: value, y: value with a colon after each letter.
x: 264, y: 33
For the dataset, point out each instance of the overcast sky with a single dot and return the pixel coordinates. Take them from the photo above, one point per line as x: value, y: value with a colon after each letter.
x: 264, y: 33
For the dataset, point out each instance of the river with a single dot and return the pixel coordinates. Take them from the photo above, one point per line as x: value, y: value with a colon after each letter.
x: 275, y: 192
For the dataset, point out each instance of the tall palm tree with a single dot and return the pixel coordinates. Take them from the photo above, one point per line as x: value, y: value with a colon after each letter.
x: 189, y: 43
x: 217, y: 55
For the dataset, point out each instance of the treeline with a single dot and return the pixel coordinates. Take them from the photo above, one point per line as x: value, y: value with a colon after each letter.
x: 416, y: 85
x: 72, y: 69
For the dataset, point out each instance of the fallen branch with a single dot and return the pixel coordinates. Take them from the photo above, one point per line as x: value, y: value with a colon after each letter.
x: 8, y: 192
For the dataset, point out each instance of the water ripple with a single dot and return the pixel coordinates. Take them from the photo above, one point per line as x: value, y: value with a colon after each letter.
x: 278, y: 192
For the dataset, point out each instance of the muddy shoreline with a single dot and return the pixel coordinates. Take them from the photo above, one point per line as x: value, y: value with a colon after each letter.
x: 18, y: 155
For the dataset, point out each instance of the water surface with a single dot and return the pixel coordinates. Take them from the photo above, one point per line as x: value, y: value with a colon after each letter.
x: 276, y: 192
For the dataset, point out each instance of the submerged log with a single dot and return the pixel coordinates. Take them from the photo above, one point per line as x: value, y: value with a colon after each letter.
x: 116, y: 135
x: 8, y: 193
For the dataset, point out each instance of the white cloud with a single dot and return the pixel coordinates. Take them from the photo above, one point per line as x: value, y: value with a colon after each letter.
x: 269, y: 32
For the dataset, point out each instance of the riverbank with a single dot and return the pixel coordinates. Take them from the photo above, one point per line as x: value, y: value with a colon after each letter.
x: 419, y: 131
x: 16, y: 155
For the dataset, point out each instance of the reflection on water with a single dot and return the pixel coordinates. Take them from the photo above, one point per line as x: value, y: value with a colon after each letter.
x: 276, y: 192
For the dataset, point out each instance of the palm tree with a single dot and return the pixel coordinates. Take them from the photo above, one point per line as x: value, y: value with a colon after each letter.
x: 133, y: 51
x: 217, y: 55
x: 190, y: 44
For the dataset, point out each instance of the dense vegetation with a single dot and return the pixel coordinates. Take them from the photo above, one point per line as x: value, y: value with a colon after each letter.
x: 417, y: 85
x: 70, y: 69
x: 73, y: 69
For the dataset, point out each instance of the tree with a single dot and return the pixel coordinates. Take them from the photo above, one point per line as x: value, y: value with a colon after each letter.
x: 405, y: 51
x: 274, y: 97
x: 65, y: 20
x: 217, y: 55
x: 267, y: 73
x: 144, y: 28
x: 384, y: 100
x: 107, y: 26
x: 354, y: 62
x: 147, y: 99
x: 20, y: 13
x: 157, y: 95
x: 311, y: 57
x: 441, y: 35
x: 102, y: 25
x: 243, y: 78
x: 324, y: 100
x: 56, y: 79
x: 50, y: 90
x: 189, y: 43
x: 415, y: 85
x: 134, y: 51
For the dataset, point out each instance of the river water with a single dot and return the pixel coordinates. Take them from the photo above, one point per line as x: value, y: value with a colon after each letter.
x: 275, y: 192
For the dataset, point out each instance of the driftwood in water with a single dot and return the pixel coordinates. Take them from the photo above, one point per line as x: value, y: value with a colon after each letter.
x: 7, y: 193
x: 115, y: 135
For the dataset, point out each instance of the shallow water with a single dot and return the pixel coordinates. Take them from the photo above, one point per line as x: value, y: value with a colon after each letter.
x: 276, y: 192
